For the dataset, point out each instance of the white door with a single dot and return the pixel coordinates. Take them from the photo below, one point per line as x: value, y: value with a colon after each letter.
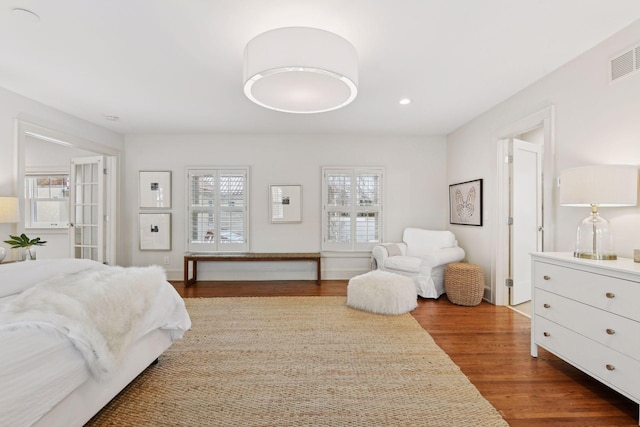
x: 526, y: 214
x: 87, y: 213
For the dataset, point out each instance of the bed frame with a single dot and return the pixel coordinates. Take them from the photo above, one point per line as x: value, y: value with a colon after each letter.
x: 88, y: 399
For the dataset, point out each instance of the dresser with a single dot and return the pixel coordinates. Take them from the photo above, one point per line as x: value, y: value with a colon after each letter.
x: 587, y: 312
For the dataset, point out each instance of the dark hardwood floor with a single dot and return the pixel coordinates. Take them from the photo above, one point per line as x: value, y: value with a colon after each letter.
x: 490, y: 344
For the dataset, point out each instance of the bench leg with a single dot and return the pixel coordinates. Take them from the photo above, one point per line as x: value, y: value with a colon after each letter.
x: 188, y: 282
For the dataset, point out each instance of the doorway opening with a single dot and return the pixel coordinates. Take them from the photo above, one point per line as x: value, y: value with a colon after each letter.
x: 525, y: 196
x: 46, y: 151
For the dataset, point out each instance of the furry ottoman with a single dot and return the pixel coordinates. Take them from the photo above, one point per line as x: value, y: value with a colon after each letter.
x: 382, y: 292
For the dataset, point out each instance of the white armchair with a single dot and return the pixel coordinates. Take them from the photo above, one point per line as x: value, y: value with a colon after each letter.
x: 423, y: 256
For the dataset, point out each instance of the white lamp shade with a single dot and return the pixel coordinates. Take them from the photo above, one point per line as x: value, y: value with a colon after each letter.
x: 601, y: 185
x: 9, y: 212
x: 300, y: 70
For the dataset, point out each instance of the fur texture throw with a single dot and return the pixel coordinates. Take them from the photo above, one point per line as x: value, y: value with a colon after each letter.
x: 382, y: 292
x: 101, y: 310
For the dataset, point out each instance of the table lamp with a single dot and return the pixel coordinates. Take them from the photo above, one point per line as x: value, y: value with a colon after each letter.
x: 9, y: 213
x: 598, y: 186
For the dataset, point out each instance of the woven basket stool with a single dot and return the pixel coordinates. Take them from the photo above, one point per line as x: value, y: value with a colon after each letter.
x: 464, y: 283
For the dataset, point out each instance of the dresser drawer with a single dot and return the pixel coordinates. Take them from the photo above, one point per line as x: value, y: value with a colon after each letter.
x: 607, y: 293
x: 619, y: 333
x: 609, y: 366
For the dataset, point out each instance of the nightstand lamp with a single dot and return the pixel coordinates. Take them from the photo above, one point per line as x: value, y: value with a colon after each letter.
x: 9, y: 213
x: 598, y: 186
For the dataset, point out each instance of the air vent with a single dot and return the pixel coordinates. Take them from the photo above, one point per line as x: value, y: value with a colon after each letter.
x: 625, y: 64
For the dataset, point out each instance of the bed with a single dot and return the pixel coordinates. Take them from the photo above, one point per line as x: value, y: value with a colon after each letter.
x: 74, y: 333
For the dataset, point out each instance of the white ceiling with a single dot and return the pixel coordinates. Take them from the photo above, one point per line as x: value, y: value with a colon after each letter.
x: 175, y: 66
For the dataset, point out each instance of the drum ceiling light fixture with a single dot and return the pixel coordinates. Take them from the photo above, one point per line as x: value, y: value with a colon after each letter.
x: 300, y: 70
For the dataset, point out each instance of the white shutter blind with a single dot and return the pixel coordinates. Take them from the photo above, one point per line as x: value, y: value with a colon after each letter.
x: 233, y: 222
x: 216, y: 220
x: 352, y: 208
x: 368, y: 207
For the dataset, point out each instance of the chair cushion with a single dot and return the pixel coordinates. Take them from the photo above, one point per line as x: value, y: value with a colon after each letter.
x: 409, y: 264
x: 420, y: 241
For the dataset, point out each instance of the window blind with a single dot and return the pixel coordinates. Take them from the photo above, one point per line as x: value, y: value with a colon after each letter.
x: 217, y: 218
x: 352, y: 208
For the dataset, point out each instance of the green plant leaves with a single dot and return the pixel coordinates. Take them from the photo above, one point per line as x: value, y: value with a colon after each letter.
x: 23, y: 241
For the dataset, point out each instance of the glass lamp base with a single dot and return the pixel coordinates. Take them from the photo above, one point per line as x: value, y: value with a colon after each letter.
x: 584, y: 255
x: 594, y: 239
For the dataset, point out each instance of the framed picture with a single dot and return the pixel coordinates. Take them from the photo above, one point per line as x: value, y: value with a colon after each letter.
x: 155, y: 189
x: 155, y: 231
x: 285, y: 203
x: 465, y: 203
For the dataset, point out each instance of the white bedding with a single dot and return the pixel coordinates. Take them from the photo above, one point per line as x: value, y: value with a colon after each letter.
x: 59, y: 332
x: 30, y: 385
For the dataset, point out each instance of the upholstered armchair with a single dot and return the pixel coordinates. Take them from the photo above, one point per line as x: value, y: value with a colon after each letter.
x: 423, y: 256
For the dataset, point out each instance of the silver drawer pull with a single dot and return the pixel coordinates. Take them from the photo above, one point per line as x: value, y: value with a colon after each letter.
x: 546, y: 306
x: 610, y: 367
x: 610, y: 331
x: 546, y: 334
x: 546, y: 277
x: 610, y: 295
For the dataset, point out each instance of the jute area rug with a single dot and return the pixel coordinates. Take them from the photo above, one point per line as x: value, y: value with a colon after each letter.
x: 299, y: 361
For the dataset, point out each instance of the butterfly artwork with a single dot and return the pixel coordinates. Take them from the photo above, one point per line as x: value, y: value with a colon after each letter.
x: 466, y: 206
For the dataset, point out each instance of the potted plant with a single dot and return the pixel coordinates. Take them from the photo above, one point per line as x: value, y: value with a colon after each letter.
x: 25, y: 242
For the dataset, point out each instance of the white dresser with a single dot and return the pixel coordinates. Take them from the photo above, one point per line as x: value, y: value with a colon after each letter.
x: 588, y: 313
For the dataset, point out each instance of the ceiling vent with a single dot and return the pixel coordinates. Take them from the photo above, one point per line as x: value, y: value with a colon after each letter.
x: 625, y: 64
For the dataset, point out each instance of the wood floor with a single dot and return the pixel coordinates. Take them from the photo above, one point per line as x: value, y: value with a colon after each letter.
x: 491, y: 346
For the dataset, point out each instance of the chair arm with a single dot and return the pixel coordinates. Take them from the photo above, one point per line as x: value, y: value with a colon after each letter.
x: 442, y: 257
x: 380, y: 253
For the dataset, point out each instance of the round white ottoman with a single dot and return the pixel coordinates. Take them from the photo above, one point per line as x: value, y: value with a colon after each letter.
x: 382, y: 292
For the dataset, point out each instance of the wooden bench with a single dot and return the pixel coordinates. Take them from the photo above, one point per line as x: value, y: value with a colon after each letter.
x: 194, y: 258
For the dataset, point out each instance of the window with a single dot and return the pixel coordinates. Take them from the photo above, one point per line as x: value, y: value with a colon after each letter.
x: 47, y: 201
x: 352, y: 208
x: 218, y: 210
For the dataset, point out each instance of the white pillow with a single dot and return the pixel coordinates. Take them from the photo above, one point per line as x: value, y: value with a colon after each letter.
x: 17, y: 276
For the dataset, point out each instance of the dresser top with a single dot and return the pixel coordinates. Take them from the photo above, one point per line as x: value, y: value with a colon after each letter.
x: 620, y: 265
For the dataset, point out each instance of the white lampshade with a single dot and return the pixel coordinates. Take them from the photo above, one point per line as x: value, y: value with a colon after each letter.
x: 300, y: 70
x: 601, y: 185
x: 598, y: 186
x: 9, y: 212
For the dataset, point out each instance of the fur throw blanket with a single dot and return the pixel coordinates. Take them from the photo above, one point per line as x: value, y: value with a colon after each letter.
x: 100, y: 310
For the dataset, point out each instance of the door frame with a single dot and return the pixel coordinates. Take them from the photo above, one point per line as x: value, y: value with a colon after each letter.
x: 544, y: 118
x: 24, y: 129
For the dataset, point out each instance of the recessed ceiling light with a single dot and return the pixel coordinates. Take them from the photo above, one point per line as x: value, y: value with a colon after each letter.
x: 405, y: 101
x: 25, y: 15
x: 111, y: 117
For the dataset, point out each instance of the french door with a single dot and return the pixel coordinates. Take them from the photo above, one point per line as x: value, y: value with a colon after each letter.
x: 87, y: 213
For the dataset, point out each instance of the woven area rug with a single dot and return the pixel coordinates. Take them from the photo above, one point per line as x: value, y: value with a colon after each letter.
x: 299, y: 361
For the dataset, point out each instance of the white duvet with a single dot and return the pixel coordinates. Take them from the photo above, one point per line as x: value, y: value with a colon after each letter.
x: 77, y: 324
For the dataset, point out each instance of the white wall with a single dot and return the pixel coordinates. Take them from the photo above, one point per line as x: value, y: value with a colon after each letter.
x: 596, y: 122
x: 14, y: 106
x: 415, y: 192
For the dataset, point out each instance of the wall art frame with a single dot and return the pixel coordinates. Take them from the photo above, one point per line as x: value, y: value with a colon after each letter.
x: 155, y: 231
x: 465, y: 203
x: 285, y: 203
x: 154, y: 189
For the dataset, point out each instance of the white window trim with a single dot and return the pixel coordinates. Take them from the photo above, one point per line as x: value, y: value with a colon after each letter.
x: 29, y: 201
x: 214, y: 248
x: 352, y: 246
